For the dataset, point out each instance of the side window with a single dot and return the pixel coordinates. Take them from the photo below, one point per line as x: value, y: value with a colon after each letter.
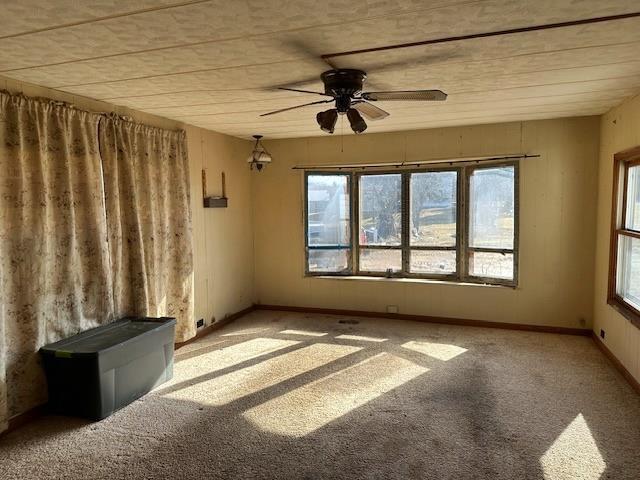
x: 624, y: 268
x: 328, y: 223
x: 492, y: 222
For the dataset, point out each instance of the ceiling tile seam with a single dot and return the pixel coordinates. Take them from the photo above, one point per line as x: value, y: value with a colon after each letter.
x: 186, y: 72
x: 288, y: 128
x: 621, y: 77
x: 577, y: 112
x: 473, y: 36
x: 445, y: 63
x: 525, y: 72
x: 440, y: 64
x: 105, y: 18
x: 252, y: 36
x: 452, y: 92
x: 234, y: 102
x: 417, y: 115
x: 417, y: 119
x: 409, y: 109
x: 105, y: 99
x: 165, y: 107
x: 432, y: 125
x: 309, y: 134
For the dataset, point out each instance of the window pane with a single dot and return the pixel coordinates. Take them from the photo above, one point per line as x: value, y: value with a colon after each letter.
x: 491, y: 265
x: 380, y: 260
x: 628, y: 284
x: 328, y: 260
x: 435, y: 262
x: 328, y: 210
x: 380, y: 219
x: 433, y: 209
x: 491, y: 207
x: 632, y: 221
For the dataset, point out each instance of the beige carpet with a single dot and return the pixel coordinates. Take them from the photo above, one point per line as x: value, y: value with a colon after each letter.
x: 283, y: 396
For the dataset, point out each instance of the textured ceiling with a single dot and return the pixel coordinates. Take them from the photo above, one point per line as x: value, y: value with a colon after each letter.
x: 215, y: 63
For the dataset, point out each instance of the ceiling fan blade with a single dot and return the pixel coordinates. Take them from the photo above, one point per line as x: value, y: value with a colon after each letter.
x: 297, y: 106
x: 304, y: 91
x: 420, y: 95
x: 370, y: 111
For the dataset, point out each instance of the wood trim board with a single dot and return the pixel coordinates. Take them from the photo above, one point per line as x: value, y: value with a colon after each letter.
x: 431, y: 319
x: 215, y: 326
x: 616, y: 363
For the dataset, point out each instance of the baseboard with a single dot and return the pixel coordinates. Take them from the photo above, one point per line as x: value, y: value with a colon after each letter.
x: 616, y: 363
x: 215, y: 326
x: 430, y: 319
x: 24, y: 418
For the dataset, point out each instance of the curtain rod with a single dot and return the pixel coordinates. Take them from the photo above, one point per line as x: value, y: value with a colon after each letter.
x: 415, y: 163
x: 102, y: 114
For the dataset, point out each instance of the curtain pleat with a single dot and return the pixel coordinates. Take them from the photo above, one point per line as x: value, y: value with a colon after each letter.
x: 146, y: 177
x: 55, y: 277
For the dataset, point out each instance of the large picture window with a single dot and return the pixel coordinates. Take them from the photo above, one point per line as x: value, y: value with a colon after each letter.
x: 624, y: 268
x: 454, y: 223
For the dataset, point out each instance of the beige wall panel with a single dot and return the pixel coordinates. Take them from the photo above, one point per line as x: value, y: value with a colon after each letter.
x: 557, y: 232
x: 620, y: 130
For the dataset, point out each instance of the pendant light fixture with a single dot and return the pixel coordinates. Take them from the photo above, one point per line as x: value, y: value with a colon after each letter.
x: 259, y: 156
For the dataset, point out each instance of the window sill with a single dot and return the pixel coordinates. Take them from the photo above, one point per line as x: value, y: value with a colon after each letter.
x: 425, y: 281
x: 625, y: 310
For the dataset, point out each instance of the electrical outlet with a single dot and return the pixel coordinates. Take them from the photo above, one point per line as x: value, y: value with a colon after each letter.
x: 392, y: 309
x: 200, y: 323
x: 602, y: 333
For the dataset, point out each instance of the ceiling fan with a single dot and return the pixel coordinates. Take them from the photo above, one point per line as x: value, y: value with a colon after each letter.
x: 344, y: 86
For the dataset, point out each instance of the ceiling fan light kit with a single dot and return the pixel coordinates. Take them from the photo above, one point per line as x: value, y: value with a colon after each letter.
x: 345, y: 87
x: 358, y: 125
x: 327, y: 120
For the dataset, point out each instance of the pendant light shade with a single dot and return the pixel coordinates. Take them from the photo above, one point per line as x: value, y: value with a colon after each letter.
x: 259, y: 156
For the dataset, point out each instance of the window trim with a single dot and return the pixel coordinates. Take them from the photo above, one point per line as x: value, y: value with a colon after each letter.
x: 621, y: 163
x: 307, y: 247
x: 466, y: 276
x: 461, y: 248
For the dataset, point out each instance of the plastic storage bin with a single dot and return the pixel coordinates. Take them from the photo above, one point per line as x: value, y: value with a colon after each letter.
x: 99, y: 371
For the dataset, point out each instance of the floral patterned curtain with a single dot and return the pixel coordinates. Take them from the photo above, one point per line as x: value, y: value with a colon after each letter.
x: 146, y: 177
x: 95, y: 224
x: 55, y: 277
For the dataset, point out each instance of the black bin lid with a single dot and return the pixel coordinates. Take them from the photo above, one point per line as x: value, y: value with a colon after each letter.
x: 96, y: 340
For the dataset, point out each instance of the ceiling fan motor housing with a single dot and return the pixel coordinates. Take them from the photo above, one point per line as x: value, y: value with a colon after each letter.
x: 343, y: 84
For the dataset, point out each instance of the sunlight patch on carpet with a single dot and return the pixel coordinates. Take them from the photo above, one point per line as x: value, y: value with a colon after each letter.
x: 574, y: 454
x: 439, y: 351
x: 246, y: 331
x: 304, y: 332
x: 312, y: 406
x: 361, y: 338
x: 246, y: 381
x: 222, y: 358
